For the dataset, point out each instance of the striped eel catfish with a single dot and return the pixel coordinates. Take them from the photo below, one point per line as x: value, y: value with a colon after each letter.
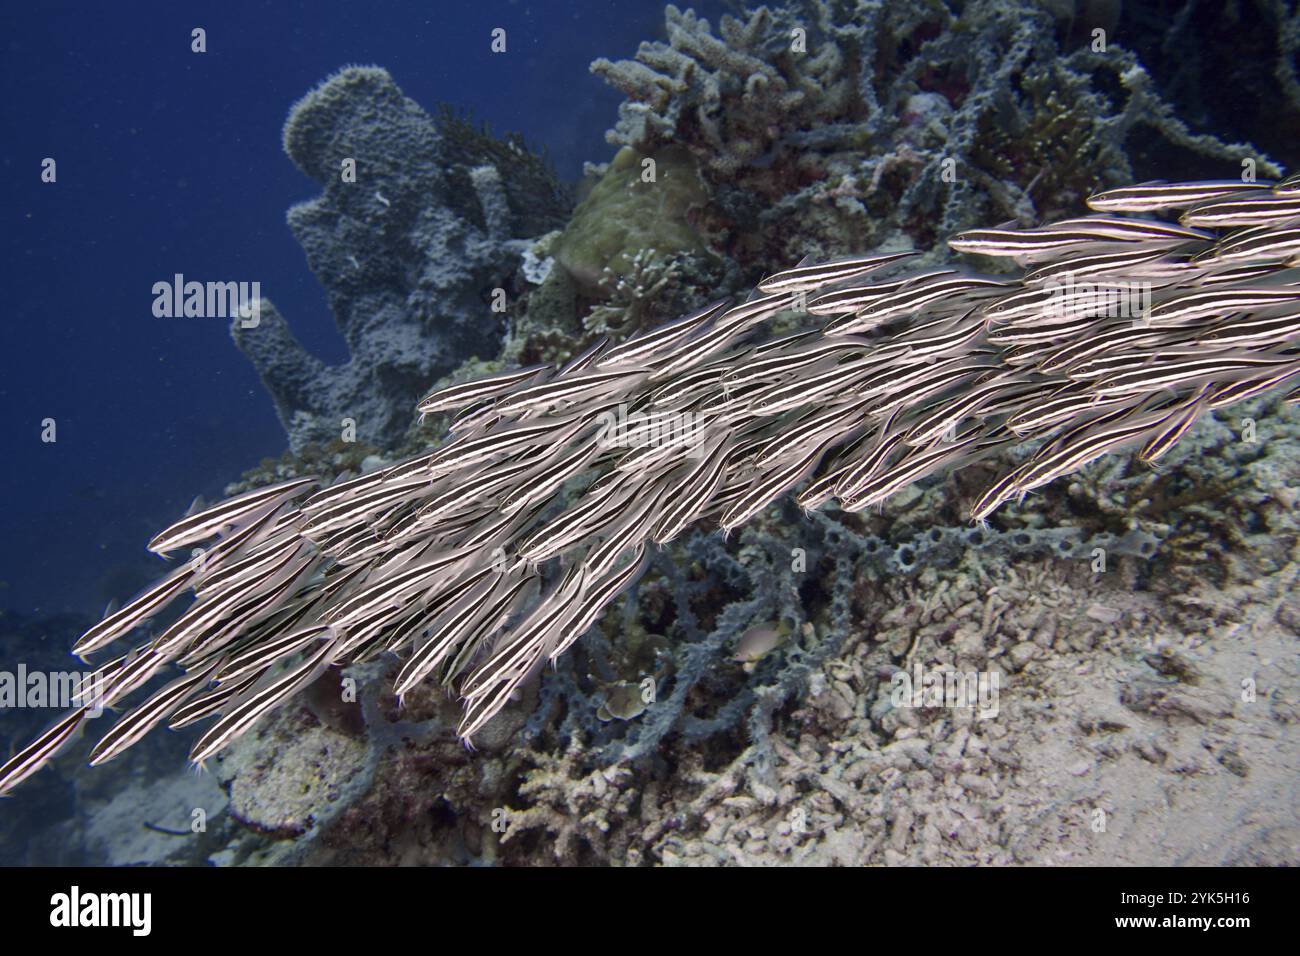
x: 478, y: 562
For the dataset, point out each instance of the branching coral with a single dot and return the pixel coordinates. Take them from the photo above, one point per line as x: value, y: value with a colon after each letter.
x: 927, y: 117
x: 730, y: 97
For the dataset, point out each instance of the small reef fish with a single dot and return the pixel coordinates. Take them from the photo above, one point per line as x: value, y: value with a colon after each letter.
x: 808, y: 278
x: 1163, y: 196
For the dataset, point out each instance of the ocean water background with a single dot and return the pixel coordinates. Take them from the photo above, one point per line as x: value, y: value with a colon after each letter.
x: 170, y: 161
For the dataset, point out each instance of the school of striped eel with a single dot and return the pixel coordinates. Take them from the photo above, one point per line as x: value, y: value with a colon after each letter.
x: 478, y: 562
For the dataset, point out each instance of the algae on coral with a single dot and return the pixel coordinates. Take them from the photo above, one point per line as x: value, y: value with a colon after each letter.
x: 642, y: 203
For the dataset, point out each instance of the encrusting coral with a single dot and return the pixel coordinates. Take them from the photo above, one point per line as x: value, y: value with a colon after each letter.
x: 639, y: 207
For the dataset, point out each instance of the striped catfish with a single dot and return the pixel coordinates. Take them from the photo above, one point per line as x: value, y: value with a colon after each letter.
x: 1255, y: 209
x: 1054, y: 461
x: 212, y: 521
x: 808, y: 278
x: 246, y: 711
x: 438, y: 558
x: 596, y: 595
x: 648, y: 346
x: 1163, y: 196
x: 135, y: 612
x: 465, y: 394
x: 1195, y: 306
x: 40, y: 751
x: 162, y: 705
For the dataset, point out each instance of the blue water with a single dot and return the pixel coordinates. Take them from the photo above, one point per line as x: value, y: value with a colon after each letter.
x: 169, y: 161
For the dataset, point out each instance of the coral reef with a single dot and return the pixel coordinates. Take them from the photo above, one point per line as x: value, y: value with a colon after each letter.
x: 446, y: 558
x: 1180, y: 43
x: 1119, y: 689
x: 409, y: 241
x: 837, y: 146
x: 798, y: 754
x: 829, y: 126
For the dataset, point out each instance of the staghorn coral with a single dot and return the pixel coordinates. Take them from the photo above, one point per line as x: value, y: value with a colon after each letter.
x: 408, y: 250
x: 895, y: 123
x: 729, y: 98
x: 1200, y: 77
x: 638, y: 298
